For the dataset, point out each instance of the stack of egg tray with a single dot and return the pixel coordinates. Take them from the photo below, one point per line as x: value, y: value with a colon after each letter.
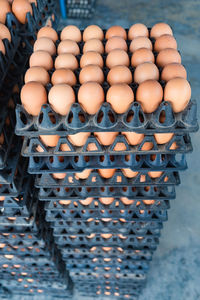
x: 109, y: 241
x: 80, y: 8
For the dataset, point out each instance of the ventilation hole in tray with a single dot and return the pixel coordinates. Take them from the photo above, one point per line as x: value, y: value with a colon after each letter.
x: 36, y: 159
x: 52, y: 117
x: 137, y: 158
x: 141, y: 117
x: 111, y: 189
x: 112, y: 158
x: 130, y: 116
x: 23, y: 118
x: 70, y: 117
x: 155, y: 189
x: 111, y: 117
x: 86, y: 158
x: 76, y: 159
x: 102, y: 158
x: 147, y: 188
x: 153, y: 157
x: 89, y: 189
x: 100, y: 117
x: 81, y: 117
x: 124, y: 189
x: 133, y: 189
x: 102, y: 189
x: 127, y: 157
x: 162, y: 117
x: 61, y: 159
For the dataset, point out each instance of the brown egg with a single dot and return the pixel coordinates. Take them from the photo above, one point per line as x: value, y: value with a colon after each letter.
x: 91, y: 73
x: 59, y: 175
x: 163, y: 138
x: 117, y: 57
x: 38, y: 74
x: 4, y: 32
x: 140, y: 42
x: 141, y: 56
x: 93, y: 32
x: 61, y: 97
x: 93, y: 45
x: 87, y: 201
x: 147, y: 146
x: 146, y: 71
x: 119, y: 74
x: 50, y: 140
x: 178, y: 92
x: 84, y: 174
x: 115, y: 42
x: 165, y: 41
x: 172, y: 71
x: 91, y: 58
x: 71, y: 32
x: 148, y: 202
x: 64, y: 202
x: 66, y: 60
x: 137, y: 30
x: 79, y: 139
x: 106, y: 138
x: 160, y: 29
x: 20, y: 8
x: 129, y: 173
x: 65, y: 148
x: 41, y: 59
x: 33, y: 96
x: 2, y: 47
x: 126, y: 201
x: 116, y: 31
x: 133, y: 138
x: 63, y: 76
x: 48, y: 32
x: 149, y: 94
x: 91, y: 96
x: 168, y: 56
x: 45, y: 44
x: 5, y: 9
x: 155, y: 174
x: 68, y: 46
x: 106, y: 173
x: 116, y: 93
x: 106, y: 201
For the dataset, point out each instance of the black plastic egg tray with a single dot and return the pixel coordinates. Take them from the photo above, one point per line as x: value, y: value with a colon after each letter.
x: 80, y: 8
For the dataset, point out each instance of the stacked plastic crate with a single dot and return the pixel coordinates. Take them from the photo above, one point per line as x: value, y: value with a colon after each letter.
x: 80, y: 8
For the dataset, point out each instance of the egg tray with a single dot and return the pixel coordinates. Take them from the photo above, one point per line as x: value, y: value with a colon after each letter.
x: 80, y: 12
x: 80, y: 3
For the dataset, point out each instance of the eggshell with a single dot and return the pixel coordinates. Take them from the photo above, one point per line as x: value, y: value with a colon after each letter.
x: 120, y: 147
x: 63, y: 76
x: 106, y: 201
x: 50, y: 140
x: 2, y: 47
x: 71, y: 32
x: 93, y: 45
x: 93, y: 32
x: 168, y: 56
x: 137, y: 30
x: 106, y: 173
x: 141, y: 56
x: 84, y: 174
x: 116, y: 31
x: 129, y: 173
x: 106, y: 138
x: 133, y: 138
x: 155, y: 174
x: 178, y: 92
x: 126, y: 201
x: 172, y: 71
x: 48, y: 32
x: 45, y: 44
x: 119, y: 74
x: 91, y: 96
x: 68, y: 46
x: 91, y: 58
x: 163, y: 138
x: 65, y: 148
x: 5, y: 9
x: 66, y: 60
x: 61, y: 97
x: 147, y: 146
x: 140, y: 42
x: 91, y: 73
x: 86, y: 201
x: 115, y: 42
x: 41, y: 59
x: 79, y: 139
x: 59, y: 175
x: 38, y: 74
x: 149, y: 94
x: 4, y: 32
x: 160, y: 29
x: 165, y: 41
x: 116, y: 93
x: 20, y: 8
x: 33, y: 96
x: 64, y: 202
x: 117, y: 57
x: 146, y: 71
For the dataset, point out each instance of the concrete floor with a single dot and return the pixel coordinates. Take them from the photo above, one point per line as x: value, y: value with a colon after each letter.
x: 175, y: 270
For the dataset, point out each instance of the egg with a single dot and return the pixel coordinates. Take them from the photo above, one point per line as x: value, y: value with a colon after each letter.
x: 129, y: 173
x: 147, y: 146
x: 63, y: 76
x: 45, y: 44
x: 93, y: 45
x: 5, y: 9
x: 155, y: 174
x: 106, y: 201
x: 65, y: 148
x: 117, y: 57
x: 178, y: 92
x: 66, y: 60
x: 163, y: 138
x: 120, y: 147
x: 137, y: 30
x: 126, y: 201
x: 149, y: 94
x: 140, y: 42
x: 79, y: 139
x: 146, y: 71
x: 106, y: 173
x: 86, y: 201
x: 91, y: 97
x: 64, y: 202
x: 68, y: 46
x: 119, y: 74
x: 106, y: 138
x: 116, y: 31
x: 133, y: 138
x: 116, y: 93
x: 115, y: 42
x: 41, y: 59
x: 38, y: 74
x: 91, y: 73
x: 141, y: 56
x: 2, y: 47
x: 71, y: 32
x: 168, y: 56
x: 59, y: 175
x: 4, y: 33
x: 160, y: 29
x: 20, y: 8
x: 61, y: 97
x: 91, y: 58
x: 48, y: 32
x: 93, y: 32
x: 173, y: 70
x: 84, y: 174
x: 165, y: 41
x: 33, y: 96
x: 50, y: 140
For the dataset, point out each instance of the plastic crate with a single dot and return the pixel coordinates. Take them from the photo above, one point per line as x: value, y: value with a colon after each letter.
x: 80, y: 8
